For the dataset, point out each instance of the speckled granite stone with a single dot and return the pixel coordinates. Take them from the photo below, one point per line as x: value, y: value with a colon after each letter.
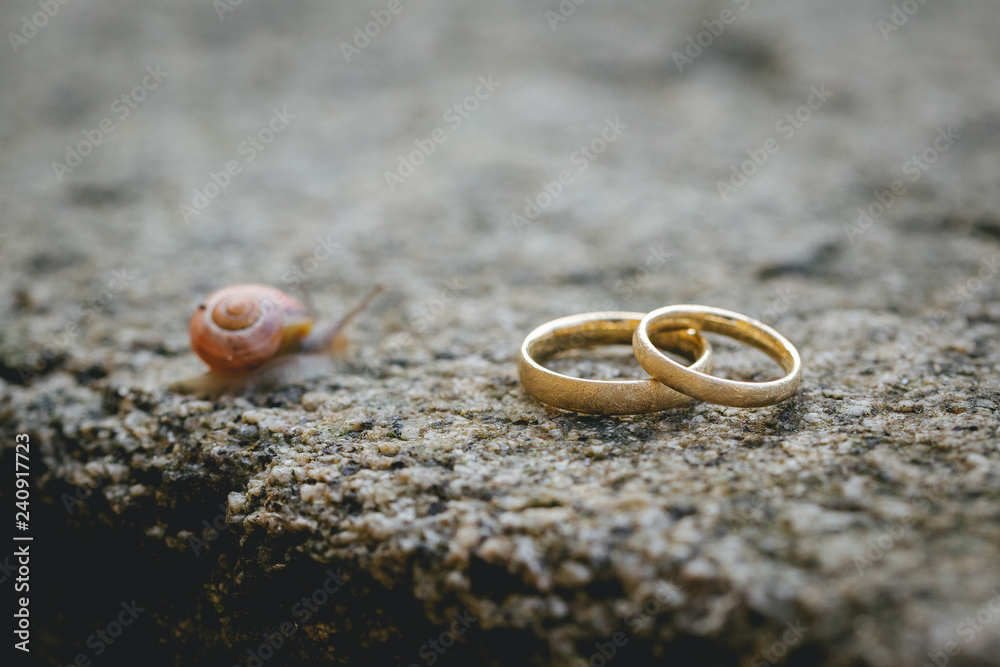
x: 407, y: 503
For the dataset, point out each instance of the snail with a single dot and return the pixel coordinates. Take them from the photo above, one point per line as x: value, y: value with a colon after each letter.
x: 247, y: 333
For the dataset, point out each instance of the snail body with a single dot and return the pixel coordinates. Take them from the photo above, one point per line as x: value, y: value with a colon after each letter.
x: 249, y: 336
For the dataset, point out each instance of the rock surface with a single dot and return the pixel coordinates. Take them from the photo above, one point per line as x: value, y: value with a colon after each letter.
x: 411, y: 481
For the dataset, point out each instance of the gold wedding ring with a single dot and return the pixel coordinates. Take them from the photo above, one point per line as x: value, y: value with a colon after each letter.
x: 605, y: 397
x: 698, y: 384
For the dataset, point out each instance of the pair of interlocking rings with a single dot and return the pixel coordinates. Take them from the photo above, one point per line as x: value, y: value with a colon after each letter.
x: 674, y: 328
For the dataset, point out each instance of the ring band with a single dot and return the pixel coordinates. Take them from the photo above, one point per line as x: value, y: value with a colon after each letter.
x: 707, y: 387
x: 603, y: 397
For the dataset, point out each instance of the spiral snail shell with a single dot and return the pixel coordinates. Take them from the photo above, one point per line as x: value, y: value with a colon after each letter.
x: 238, y: 328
